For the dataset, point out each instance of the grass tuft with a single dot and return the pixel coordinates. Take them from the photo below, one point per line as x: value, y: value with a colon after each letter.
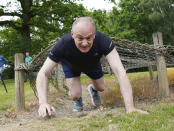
x: 143, y: 89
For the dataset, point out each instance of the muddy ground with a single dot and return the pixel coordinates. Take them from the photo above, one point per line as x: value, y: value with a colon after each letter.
x: 30, y: 121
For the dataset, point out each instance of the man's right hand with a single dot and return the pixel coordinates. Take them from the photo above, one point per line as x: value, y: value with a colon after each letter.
x: 46, y: 109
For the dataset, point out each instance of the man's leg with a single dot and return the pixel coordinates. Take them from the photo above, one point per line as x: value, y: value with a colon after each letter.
x: 73, y: 83
x: 98, y: 84
x: 1, y: 70
x: 96, y: 76
x: 3, y: 83
x: 75, y: 90
x: 1, y: 78
x: 25, y: 76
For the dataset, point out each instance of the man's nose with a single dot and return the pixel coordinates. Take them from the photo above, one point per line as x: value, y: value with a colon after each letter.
x: 84, y: 42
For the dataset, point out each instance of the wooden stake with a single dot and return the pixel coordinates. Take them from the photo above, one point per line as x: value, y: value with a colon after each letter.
x: 19, y: 84
x: 161, y: 67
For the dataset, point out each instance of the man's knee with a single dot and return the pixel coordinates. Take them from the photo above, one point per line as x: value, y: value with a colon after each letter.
x: 99, y: 87
x: 75, y: 95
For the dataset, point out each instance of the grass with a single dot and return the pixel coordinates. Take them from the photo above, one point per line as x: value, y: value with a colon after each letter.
x: 7, y: 100
x: 143, y: 89
x: 159, y: 119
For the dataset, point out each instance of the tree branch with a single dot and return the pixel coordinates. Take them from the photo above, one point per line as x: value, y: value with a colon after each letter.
x: 11, y: 24
x: 10, y: 14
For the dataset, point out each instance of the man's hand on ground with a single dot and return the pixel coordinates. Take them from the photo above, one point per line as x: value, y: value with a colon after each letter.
x: 46, y: 109
x: 133, y: 109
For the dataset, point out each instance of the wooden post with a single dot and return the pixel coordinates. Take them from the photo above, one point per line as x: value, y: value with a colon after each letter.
x: 150, y: 70
x: 19, y: 83
x: 60, y: 77
x: 161, y: 66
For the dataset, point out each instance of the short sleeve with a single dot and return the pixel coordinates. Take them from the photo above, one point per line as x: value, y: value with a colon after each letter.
x: 56, y: 52
x: 106, y: 44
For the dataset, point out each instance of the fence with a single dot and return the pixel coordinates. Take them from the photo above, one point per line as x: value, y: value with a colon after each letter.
x: 133, y: 55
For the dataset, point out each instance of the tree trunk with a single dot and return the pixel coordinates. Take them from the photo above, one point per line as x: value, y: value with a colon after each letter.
x: 25, y: 31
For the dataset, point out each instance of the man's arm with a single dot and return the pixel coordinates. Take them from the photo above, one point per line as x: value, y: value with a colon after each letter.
x: 125, y: 86
x: 42, y: 87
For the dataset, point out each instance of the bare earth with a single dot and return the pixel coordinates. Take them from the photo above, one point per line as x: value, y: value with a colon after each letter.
x: 30, y: 121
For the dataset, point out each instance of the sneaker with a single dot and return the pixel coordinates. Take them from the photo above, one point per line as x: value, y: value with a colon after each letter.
x: 78, y: 105
x: 94, y: 96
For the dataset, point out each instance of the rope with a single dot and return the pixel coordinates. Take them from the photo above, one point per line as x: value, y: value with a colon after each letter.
x: 133, y: 55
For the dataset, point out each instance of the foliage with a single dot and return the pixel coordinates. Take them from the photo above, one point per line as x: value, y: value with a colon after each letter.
x: 127, y: 21
x: 100, y: 18
x: 39, y: 21
x: 36, y: 23
x: 161, y: 14
x: 130, y: 22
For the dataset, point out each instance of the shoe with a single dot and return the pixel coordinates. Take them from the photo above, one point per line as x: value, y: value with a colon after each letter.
x: 94, y: 96
x: 78, y: 105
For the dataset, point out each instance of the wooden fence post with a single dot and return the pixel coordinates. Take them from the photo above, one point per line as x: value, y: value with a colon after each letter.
x: 150, y: 70
x: 60, y: 76
x: 161, y: 66
x: 19, y: 83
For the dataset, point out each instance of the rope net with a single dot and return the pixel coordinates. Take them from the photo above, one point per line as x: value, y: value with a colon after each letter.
x: 132, y: 54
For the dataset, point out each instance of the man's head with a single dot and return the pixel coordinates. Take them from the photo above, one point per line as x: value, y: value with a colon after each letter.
x: 83, y: 32
x: 27, y: 54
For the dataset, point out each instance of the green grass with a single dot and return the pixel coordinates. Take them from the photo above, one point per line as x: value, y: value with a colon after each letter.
x: 130, y: 75
x: 159, y: 119
x: 85, y: 79
x: 7, y: 100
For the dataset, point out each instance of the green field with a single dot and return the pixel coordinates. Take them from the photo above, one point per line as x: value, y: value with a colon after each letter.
x: 160, y: 117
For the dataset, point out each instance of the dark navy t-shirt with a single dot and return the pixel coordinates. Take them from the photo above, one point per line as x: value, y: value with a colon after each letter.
x: 65, y: 51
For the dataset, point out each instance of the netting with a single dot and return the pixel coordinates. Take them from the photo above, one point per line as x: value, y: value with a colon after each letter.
x: 133, y: 55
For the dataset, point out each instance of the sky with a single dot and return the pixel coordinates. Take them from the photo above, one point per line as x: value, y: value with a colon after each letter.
x: 89, y: 4
x: 98, y: 4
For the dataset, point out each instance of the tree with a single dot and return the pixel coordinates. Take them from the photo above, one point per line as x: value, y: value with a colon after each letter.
x: 130, y: 22
x: 161, y: 15
x: 36, y: 18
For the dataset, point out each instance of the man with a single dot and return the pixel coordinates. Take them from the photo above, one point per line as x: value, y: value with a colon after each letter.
x: 79, y: 52
x: 3, y: 60
x: 28, y: 59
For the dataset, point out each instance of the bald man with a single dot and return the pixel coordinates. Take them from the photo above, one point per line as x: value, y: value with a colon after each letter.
x: 80, y: 51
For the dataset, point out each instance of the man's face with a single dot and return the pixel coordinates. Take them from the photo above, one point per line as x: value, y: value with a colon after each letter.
x: 83, y: 36
x: 27, y: 54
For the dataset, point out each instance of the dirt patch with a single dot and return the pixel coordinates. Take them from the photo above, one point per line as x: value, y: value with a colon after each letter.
x: 30, y: 121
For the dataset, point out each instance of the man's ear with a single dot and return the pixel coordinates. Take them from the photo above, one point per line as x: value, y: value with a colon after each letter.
x: 72, y: 34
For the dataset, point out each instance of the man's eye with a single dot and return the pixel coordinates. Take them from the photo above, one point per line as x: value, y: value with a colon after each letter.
x: 89, y: 38
x: 80, y: 39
